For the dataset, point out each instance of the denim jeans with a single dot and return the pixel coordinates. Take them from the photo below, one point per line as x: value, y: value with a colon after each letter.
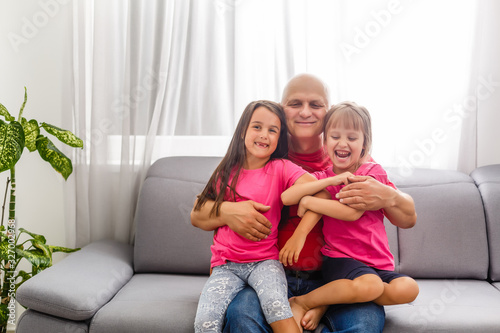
x: 245, y: 316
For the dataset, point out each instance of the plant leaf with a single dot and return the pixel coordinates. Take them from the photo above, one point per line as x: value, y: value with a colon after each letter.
x: 4, y: 314
x: 24, y: 277
x: 5, y: 113
x: 31, y: 132
x: 45, y: 250
x: 54, y: 249
x: 11, y: 144
x: 4, y: 249
x: 64, y: 136
x: 24, y: 103
x: 35, y: 257
x: 40, y: 238
x: 60, y: 162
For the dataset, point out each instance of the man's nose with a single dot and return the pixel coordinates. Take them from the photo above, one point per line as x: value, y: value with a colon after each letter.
x: 306, y: 111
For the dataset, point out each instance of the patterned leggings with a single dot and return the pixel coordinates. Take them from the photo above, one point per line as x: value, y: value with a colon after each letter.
x: 268, y: 280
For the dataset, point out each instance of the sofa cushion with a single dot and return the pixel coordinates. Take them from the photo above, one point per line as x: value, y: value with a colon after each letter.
x: 152, y: 303
x: 449, y: 239
x: 33, y: 321
x: 487, y: 179
x: 165, y: 239
x: 447, y: 306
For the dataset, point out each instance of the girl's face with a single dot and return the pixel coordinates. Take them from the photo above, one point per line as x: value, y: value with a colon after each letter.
x: 261, y: 138
x: 344, y: 146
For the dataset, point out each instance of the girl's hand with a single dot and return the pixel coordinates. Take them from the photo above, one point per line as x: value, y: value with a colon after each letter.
x: 302, y: 209
x: 289, y: 253
x: 343, y: 178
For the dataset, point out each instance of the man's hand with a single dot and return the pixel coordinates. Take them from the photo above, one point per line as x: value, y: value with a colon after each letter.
x: 367, y: 193
x: 246, y: 219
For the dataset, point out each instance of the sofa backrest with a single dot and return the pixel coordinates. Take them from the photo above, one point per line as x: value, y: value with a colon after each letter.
x: 165, y: 239
x: 449, y: 239
x: 487, y: 179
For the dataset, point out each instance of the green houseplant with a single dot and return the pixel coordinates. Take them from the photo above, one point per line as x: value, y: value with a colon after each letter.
x: 16, y: 245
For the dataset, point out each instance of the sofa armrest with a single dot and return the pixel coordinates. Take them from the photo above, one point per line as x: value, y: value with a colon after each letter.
x: 80, y: 284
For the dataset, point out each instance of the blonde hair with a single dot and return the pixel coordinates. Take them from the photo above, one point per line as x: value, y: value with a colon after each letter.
x: 352, y: 116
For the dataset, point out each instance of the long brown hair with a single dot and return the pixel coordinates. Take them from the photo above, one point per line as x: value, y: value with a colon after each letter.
x: 218, y: 184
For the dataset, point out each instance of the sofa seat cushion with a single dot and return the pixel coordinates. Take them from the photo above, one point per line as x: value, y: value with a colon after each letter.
x: 448, y: 306
x: 152, y: 303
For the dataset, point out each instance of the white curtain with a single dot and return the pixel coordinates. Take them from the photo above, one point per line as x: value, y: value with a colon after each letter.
x: 154, y: 78
x: 144, y: 72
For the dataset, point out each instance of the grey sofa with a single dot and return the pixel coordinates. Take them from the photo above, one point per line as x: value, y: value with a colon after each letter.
x: 154, y: 285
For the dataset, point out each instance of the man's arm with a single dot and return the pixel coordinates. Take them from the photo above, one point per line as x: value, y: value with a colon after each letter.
x: 243, y: 217
x: 367, y: 193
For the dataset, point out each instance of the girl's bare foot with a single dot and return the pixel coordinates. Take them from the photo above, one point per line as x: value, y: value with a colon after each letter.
x: 298, y: 311
x: 311, y: 318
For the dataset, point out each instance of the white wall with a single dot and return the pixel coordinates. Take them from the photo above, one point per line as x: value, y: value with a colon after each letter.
x: 35, y: 52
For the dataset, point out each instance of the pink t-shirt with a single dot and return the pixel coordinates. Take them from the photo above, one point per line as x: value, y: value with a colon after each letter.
x: 263, y: 185
x: 365, y: 239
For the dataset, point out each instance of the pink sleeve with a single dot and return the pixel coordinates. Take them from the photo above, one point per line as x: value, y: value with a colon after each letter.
x: 292, y: 172
x: 376, y: 171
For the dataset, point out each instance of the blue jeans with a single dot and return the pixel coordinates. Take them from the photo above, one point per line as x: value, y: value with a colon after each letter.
x: 245, y: 316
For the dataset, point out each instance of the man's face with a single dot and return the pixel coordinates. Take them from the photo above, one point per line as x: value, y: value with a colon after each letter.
x: 305, y: 106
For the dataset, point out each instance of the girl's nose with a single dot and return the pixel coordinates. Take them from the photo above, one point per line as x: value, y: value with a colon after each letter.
x: 342, y: 142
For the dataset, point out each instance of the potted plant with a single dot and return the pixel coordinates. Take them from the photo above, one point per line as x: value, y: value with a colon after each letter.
x: 16, y: 245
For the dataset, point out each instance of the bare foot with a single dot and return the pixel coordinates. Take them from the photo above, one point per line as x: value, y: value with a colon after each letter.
x: 298, y: 311
x: 311, y: 318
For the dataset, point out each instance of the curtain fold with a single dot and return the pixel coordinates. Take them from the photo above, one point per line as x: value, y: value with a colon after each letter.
x: 154, y: 78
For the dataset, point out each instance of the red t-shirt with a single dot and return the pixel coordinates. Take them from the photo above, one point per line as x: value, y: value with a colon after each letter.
x: 310, y: 257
